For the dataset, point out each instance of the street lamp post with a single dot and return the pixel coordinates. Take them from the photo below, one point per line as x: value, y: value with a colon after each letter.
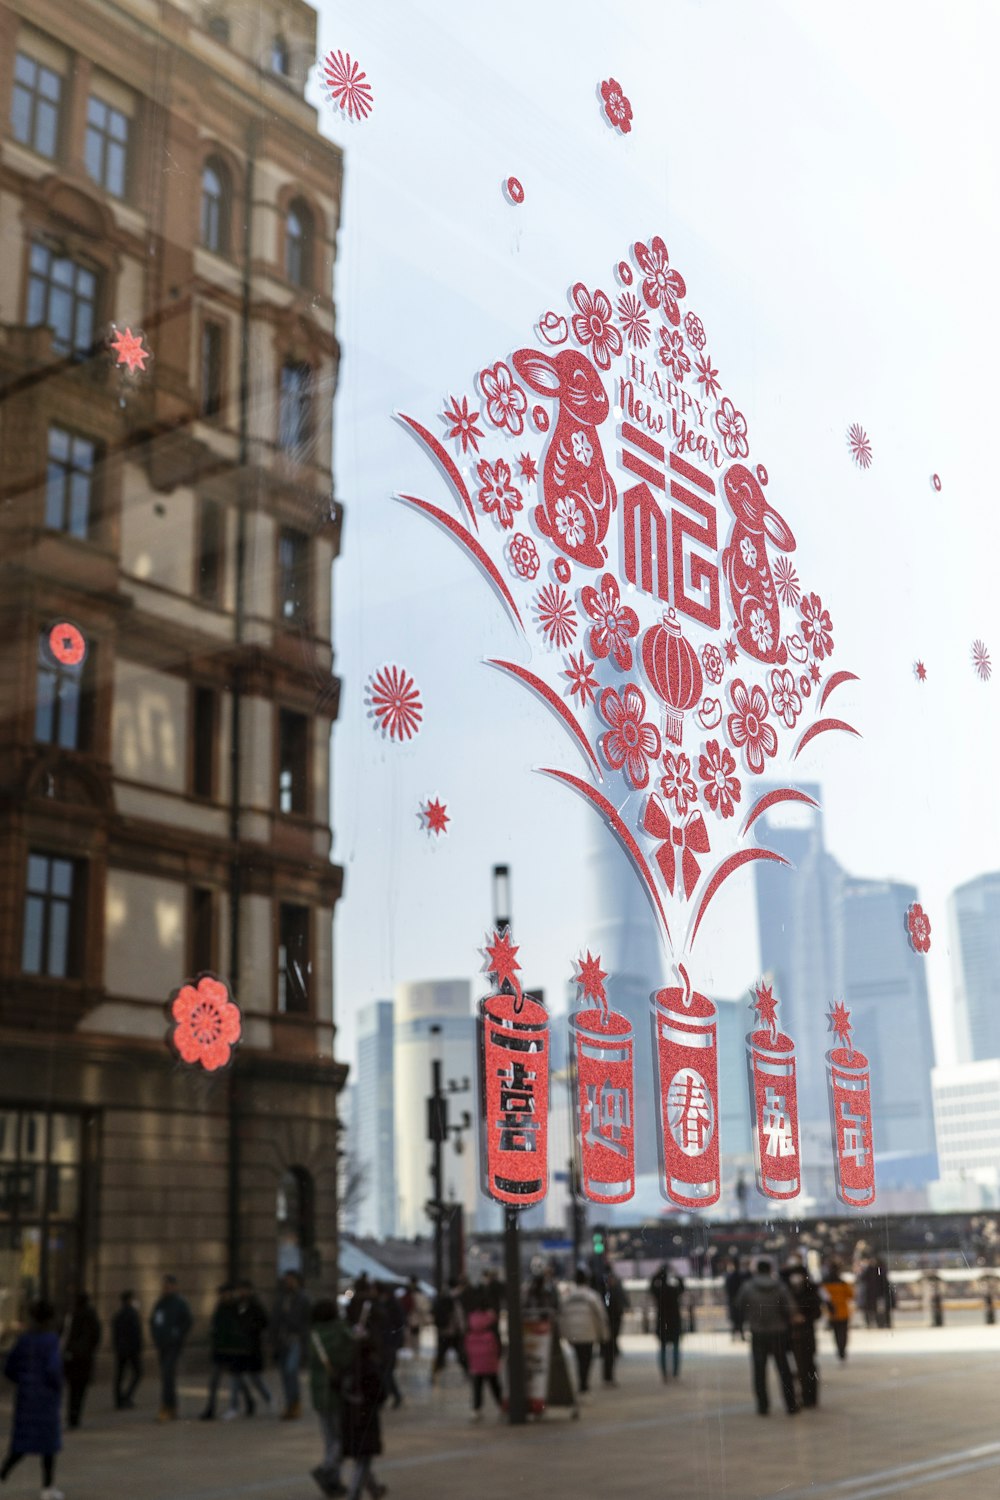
x: 516, y: 1404
x: 438, y: 1131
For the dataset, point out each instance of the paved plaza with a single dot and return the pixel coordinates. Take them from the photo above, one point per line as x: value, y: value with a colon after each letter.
x: 911, y: 1411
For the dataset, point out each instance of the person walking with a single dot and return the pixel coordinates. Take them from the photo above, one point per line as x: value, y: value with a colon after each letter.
x: 360, y: 1430
x: 126, y: 1338
x: 35, y: 1366
x: 839, y: 1296
x: 807, y: 1307
x: 583, y: 1321
x: 735, y: 1277
x: 616, y: 1300
x: 290, y: 1324
x: 250, y: 1320
x: 446, y: 1311
x: 667, y: 1289
x: 482, y: 1352
x: 393, y: 1332
x: 169, y: 1325
x: 766, y: 1305
x: 224, y: 1346
x: 331, y: 1355
x: 83, y: 1335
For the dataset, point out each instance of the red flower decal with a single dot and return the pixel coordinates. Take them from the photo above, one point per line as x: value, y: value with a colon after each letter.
x: 630, y: 742
x: 785, y: 700
x: 860, y: 445
x: 707, y: 376
x: 717, y: 770
x: 635, y: 320
x: 498, y: 496
x: 733, y: 426
x: 582, y: 680
x: 662, y: 286
x: 817, y: 627
x: 747, y: 726
x: 523, y: 555
x: 615, y: 624
x: 711, y: 660
x: 677, y: 786
x: 556, y: 615
x: 918, y: 926
x: 463, y: 424
x: 592, y: 325
x: 695, y: 330
x: 506, y: 402
x: 786, y: 581
x: 396, y: 704
x: 207, y: 1023
x: 346, y: 86
x: 673, y: 353
x: 616, y: 106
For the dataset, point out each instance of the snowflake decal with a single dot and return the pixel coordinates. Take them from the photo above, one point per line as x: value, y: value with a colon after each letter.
x: 346, y: 86
x: 860, y: 446
x: 395, y: 703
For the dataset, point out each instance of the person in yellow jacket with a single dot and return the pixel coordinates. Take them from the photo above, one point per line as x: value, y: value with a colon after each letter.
x: 839, y: 1295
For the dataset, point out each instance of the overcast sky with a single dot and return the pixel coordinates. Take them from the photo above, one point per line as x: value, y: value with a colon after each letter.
x: 824, y: 175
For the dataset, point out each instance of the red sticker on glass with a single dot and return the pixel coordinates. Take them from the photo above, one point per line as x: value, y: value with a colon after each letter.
x: 514, y: 190
x: 67, y: 644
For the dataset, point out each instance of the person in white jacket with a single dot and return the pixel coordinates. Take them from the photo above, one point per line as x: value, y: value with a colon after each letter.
x: 583, y: 1320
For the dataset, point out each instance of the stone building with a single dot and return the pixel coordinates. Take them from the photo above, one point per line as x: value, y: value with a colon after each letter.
x: 165, y: 802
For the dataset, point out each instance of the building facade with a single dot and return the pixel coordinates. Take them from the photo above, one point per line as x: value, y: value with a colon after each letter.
x: 374, y: 1136
x: 974, y: 924
x: 967, y: 1119
x: 165, y: 805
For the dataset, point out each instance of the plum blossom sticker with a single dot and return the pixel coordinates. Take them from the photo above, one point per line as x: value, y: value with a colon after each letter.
x: 662, y: 286
x: 717, y: 771
x: 616, y: 105
x: 981, y: 663
x: 592, y: 325
x: 918, y: 928
x: 346, y: 87
x: 676, y: 784
x: 498, y: 497
x: 785, y: 701
x: 711, y: 661
x: 631, y: 742
x: 506, y: 402
x: 395, y: 703
x: 673, y: 353
x: 129, y: 350
x: 747, y: 725
x: 206, y: 1023
x: 615, y: 624
x: 434, y: 817
x: 817, y: 627
x: 860, y: 445
x: 732, y: 424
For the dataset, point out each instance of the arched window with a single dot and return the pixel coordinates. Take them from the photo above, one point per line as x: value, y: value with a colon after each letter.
x: 279, y: 56
x: 295, y: 1212
x: 216, y: 196
x: 298, y: 243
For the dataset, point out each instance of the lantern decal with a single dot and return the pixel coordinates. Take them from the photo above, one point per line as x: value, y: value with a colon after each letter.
x: 674, y: 672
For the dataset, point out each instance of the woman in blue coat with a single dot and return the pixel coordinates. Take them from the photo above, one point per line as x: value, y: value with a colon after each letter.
x: 35, y: 1366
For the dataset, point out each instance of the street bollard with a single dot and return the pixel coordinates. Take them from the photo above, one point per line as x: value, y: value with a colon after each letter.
x: 991, y: 1316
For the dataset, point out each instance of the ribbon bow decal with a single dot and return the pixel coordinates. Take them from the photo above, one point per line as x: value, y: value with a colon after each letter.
x: 690, y: 839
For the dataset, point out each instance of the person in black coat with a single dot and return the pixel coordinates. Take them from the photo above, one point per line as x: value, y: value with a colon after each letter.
x: 667, y: 1290
x: 35, y: 1366
x: 83, y: 1335
x: 126, y: 1336
x: 361, y: 1431
x: 735, y: 1277
x: 807, y: 1306
x: 616, y: 1300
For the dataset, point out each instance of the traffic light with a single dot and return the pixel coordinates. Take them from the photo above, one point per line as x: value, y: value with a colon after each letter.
x: 597, y: 1241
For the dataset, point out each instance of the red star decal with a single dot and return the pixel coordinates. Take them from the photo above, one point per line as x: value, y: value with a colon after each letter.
x: 766, y: 1006
x: 731, y: 651
x: 528, y: 467
x: 129, y: 350
x: 591, y: 979
x: 840, y: 1024
x: 501, y: 962
x: 435, y: 816
x: 463, y: 424
x: 815, y: 673
x: 920, y: 671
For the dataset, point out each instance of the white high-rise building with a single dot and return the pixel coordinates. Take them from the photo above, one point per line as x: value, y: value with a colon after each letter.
x: 374, y: 1133
x: 974, y: 921
x: 967, y: 1116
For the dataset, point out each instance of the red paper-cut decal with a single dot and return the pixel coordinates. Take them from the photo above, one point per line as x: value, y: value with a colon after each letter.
x: 554, y: 330
x: 681, y: 844
x: 540, y: 417
x: 860, y: 446
x: 346, y: 87
x: 562, y: 570
x: 506, y: 403
x: 616, y: 106
x: 662, y: 287
x: 634, y: 320
x: 463, y: 424
x: 918, y: 928
x: 920, y: 671
x: 773, y: 1101
x: 582, y: 679
x: 630, y: 742
x: 615, y: 625
x: 786, y: 581
x: 746, y: 726
x: 129, y: 350
x: 514, y: 1058
x: 67, y: 644
x: 527, y: 468
x: 674, y: 672
x: 523, y: 556
x: 624, y: 273
x: 752, y: 594
x: 711, y: 660
x: 936, y: 482
x: 556, y: 615
x: 395, y: 703
x: 687, y: 1072
x: 434, y: 816
x: 849, y: 1082
x: 592, y: 325
x: 514, y: 190
x: 207, y: 1023
x: 981, y: 663
x: 604, y: 1090
x: 497, y: 496
x: 695, y: 330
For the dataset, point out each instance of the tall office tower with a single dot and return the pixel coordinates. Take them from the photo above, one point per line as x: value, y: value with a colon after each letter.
x: 374, y: 1143
x: 625, y: 934
x: 734, y: 1020
x: 165, y: 775
x: 967, y: 1116
x: 974, y: 922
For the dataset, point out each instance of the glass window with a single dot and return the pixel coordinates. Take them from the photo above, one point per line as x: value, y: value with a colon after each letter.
x: 279, y: 56
x: 34, y: 114
x: 212, y: 336
x: 62, y: 295
x: 218, y: 26
x: 202, y: 931
x: 295, y: 410
x: 298, y: 244
x: 293, y: 574
x: 208, y: 572
x: 205, y: 713
x: 105, y: 147
x: 293, y: 761
x: 69, y: 488
x: 51, y: 891
x: 293, y: 960
x: 215, y: 206
x: 59, y: 717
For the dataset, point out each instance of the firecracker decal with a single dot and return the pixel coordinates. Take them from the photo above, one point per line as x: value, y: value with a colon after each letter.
x: 773, y: 1101
x: 687, y: 1076
x: 514, y: 1083
x: 603, y: 1089
x: 849, y: 1080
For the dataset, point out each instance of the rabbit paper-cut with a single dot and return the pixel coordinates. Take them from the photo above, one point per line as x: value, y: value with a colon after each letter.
x: 577, y: 489
x: 748, y: 572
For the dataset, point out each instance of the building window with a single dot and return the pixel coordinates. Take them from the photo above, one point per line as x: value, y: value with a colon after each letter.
x: 204, y: 712
x: 295, y: 410
x: 293, y: 761
x: 218, y: 26
x: 279, y: 56
x: 298, y: 244
x: 34, y: 114
x: 293, y: 960
x: 208, y: 578
x: 216, y: 198
x: 105, y: 149
x: 69, y: 485
x: 51, y: 912
x: 293, y: 574
x: 60, y: 703
x: 202, y: 930
x: 62, y: 295
x: 212, y: 336
x: 295, y: 1211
